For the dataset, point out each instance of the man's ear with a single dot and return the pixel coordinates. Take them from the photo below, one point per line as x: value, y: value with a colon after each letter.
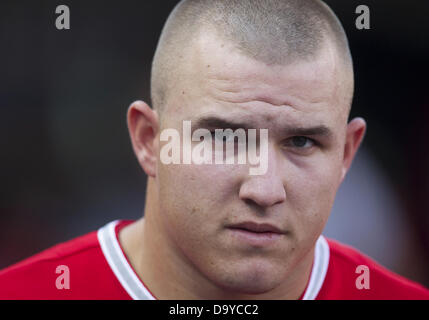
x: 143, y: 127
x: 354, y: 136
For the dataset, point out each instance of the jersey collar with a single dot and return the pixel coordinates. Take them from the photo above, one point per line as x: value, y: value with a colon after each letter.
x: 138, y: 291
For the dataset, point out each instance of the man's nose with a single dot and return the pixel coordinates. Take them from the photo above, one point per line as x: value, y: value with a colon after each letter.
x: 265, y: 190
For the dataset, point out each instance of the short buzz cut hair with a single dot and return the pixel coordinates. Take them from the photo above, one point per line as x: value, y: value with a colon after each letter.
x: 276, y: 32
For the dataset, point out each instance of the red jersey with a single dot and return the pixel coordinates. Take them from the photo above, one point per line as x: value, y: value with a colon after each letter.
x: 94, y: 266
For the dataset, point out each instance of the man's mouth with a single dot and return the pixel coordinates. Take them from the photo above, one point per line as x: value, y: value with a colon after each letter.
x: 256, y: 234
x: 257, y: 227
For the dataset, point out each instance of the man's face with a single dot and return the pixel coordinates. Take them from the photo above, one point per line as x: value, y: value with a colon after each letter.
x: 200, y: 204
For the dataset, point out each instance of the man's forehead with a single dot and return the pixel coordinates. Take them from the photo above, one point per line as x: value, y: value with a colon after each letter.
x: 219, y: 78
x: 218, y: 68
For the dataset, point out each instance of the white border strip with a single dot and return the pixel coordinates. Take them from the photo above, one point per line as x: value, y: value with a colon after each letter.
x: 320, y: 267
x: 119, y: 264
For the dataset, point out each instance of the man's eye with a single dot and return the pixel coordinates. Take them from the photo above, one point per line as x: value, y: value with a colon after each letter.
x: 222, y: 136
x: 301, y: 142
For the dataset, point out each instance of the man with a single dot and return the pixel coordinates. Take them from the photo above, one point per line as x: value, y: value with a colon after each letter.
x: 214, y: 231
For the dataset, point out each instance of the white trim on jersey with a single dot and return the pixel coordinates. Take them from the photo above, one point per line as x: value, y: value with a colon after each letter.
x: 119, y: 264
x: 320, y: 267
x: 137, y: 290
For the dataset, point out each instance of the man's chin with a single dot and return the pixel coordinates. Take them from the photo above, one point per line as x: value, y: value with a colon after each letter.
x: 248, y: 288
x: 252, y: 282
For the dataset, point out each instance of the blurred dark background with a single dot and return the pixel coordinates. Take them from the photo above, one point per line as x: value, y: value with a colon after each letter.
x: 67, y: 166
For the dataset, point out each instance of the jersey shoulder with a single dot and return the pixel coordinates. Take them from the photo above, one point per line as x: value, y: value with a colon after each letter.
x: 353, y: 275
x: 76, y: 269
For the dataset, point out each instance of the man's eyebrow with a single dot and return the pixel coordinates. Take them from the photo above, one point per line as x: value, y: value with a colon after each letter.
x: 321, y: 130
x: 214, y: 122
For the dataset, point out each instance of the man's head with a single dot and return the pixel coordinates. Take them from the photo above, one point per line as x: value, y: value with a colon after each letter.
x: 279, y: 65
x: 271, y: 31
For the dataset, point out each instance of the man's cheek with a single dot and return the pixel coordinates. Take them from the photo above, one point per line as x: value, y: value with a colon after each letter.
x: 311, y: 194
x: 320, y: 178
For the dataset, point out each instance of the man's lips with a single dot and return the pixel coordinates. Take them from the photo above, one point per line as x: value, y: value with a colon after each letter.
x: 256, y: 234
x: 256, y: 227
